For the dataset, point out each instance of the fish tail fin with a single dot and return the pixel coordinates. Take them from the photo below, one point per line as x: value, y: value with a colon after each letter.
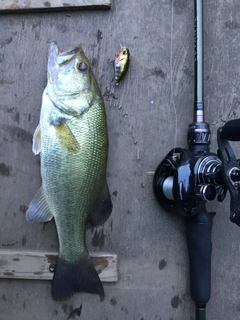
x: 70, y: 278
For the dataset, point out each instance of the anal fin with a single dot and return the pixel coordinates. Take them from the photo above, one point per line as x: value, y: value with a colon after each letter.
x: 38, y: 210
x: 102, y: 208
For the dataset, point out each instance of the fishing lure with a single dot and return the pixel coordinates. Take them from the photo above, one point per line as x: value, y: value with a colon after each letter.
x: 121, y: 64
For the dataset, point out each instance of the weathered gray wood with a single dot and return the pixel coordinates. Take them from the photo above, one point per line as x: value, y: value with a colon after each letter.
x: 150, y: 243
x: 11, y: 6
x: 37, y: 265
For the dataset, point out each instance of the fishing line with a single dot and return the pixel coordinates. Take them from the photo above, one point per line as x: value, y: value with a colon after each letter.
x: 172, y: 102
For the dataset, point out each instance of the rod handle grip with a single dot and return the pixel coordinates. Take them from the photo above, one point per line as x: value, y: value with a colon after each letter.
x: 199, y: 243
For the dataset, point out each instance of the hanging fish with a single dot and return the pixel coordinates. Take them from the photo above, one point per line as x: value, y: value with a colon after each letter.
x: 121, y: 64
x: 73, y: 141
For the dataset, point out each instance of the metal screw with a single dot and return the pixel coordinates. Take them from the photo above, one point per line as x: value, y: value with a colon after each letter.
x: 51, y: 268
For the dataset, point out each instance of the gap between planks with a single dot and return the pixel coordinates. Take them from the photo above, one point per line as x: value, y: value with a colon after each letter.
x: 14, y: 6
x: 37, y: 265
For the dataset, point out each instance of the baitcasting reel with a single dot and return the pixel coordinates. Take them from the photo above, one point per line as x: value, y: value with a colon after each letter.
x: 185, y: 178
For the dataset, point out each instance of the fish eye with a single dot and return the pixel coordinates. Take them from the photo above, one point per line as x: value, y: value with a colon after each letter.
x: 125, y: 52
x: 82, y: 66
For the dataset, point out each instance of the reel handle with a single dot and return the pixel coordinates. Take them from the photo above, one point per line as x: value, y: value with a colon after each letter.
x: 230, y: 165
x: 231, y: 130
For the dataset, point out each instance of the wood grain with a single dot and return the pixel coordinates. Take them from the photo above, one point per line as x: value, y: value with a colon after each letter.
x: 11, y: 6
x: 37, y: 265
x: 150, y: 243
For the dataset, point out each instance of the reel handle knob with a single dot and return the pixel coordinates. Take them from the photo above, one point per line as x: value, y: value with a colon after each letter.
x: 230, y: 166
x: 235, y: 217
x: 231, y: 130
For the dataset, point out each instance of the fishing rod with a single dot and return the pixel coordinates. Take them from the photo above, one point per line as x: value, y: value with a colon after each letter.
x: 187, y: 179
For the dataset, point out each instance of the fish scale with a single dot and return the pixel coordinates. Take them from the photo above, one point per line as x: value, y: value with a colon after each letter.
x: 83, y: 175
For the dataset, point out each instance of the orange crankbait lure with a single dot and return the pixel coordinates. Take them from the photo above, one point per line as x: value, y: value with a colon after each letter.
x: 121, y: 64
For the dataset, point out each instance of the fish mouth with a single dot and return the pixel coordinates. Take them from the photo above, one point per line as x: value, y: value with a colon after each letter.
x: 54, y: 50
x: 78, y: 49
x: 67, y: 94
x: 59, y: 58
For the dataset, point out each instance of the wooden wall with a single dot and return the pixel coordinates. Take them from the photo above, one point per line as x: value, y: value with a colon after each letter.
x: 153, y: 268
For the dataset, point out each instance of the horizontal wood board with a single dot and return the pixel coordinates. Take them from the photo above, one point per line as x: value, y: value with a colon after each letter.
x: 14, y: 6
x: 40, y: 265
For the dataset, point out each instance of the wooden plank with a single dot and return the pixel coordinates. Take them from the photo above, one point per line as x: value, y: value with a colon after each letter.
x: 11, y: 6
x: 38, y: 265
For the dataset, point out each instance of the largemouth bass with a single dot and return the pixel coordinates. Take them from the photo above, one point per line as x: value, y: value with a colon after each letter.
x: 73, y: 142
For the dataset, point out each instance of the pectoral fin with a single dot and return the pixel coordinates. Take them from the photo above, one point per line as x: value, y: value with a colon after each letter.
x: 102, y: 208
x: 65, y: 136
x: 36, y: 146
x: 38, y: 210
